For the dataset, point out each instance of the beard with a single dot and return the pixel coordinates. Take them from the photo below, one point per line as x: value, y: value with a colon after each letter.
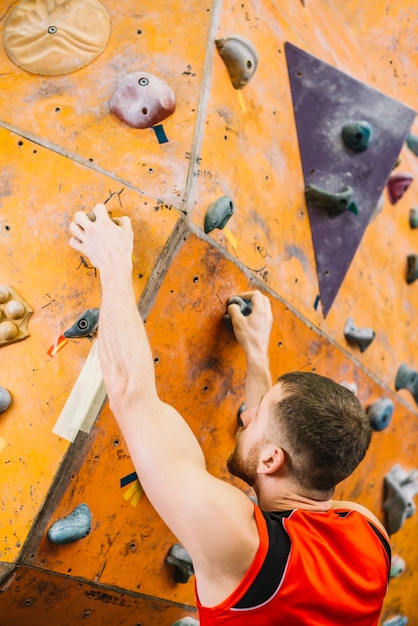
x: 244, y: 468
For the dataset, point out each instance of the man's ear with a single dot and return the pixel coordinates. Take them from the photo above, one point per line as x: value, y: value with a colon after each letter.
x: 271, y: 459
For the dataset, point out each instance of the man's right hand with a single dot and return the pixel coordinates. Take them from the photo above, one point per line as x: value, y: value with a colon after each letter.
x: 253, y: 331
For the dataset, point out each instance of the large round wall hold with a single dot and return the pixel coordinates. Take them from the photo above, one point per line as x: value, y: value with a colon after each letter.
x: 5, y: 399
x: 8, y: 331
x: 357, y: 135
x: 60, y: 37
x: 142, y: 100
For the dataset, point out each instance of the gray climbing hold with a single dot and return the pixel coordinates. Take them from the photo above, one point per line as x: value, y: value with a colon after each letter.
x: 380, y: 413
x: 400, y: 488
x: 398, y: 620
x: 218, y: 214
x: 180, y: 559
x: 245, y: 306
x: 412, y: 143
x: 71, y: 528
x: 187, y: 621
x: 5, y: 399
x: 240, y: 58
x: 412, y: 268
x: 357, y: 135
x: 85, y: 325
x: 397, y: 566
x: 332, y: 203
x: 362, y: 337
x: 407, y: 378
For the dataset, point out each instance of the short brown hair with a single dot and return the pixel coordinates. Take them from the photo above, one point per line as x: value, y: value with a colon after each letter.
x: 325, y: 428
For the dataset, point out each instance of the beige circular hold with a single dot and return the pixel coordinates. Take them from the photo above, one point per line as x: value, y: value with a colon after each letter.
x: 8, y: 331
x: 4, y: 293
x: 56, y: 37
x: 14, y: 309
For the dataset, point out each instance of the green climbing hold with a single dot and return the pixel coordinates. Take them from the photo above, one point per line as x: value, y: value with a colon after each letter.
x: 332, y: 203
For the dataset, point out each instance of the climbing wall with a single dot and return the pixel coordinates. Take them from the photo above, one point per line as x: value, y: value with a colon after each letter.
x: 62, y: 150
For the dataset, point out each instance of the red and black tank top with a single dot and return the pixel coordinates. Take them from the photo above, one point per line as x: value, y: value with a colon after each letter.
x: 311, y: 569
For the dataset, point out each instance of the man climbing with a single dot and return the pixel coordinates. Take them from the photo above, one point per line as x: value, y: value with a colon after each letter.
x: 298, y: 557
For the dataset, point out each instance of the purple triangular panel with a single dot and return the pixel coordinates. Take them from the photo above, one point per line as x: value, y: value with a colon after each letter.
x: 324, y: 100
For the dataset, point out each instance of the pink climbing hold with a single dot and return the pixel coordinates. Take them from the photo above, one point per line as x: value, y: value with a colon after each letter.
x: 397, y: 185
x: 142, y: 100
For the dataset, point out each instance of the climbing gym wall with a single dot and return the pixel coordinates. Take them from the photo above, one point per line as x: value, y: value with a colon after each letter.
x: 237, y: 174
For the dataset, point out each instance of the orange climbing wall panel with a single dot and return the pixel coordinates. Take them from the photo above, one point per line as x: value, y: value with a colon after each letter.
x: 62, y: 151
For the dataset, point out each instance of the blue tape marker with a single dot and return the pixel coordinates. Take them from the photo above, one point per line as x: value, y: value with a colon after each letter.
x: 317, y: 299
x: 160, y: 133
x: 128, y: 479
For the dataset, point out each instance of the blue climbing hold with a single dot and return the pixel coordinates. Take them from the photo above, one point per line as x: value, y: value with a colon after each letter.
x: 71, y: 528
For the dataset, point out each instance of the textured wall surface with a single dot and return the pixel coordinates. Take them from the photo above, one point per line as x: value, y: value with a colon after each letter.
x: 61, y: 150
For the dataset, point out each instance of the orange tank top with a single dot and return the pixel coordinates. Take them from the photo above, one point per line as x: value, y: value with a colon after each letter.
x: 311, y: 569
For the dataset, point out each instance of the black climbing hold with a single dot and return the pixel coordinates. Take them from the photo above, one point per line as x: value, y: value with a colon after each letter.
x: 362, y: 337
x: 332, y: 203
x: 380, y: 413
x: 218, y: 214
x: 245, y: 306
x: 183, y: 565
x: 357, y: 135
x: 85, y: 325
x: 71, y: 528
x: 412, y: 268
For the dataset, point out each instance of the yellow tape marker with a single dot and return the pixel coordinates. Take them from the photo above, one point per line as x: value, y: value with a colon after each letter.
x: 134, y: 491
x: 241, y: 100
x: 230, y: 237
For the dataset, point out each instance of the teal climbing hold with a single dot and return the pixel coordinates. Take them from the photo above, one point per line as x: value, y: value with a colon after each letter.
x: 397, y: 566
x: 332, y: 203
x: 357, y: 135
x: 218, y: 214
x: 380, y: 413
x: 412, y: 143
x: 407, y: 378
x: 71, y: 528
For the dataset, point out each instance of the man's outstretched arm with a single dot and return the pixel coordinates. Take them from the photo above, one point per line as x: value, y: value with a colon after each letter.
x: 211, y: 518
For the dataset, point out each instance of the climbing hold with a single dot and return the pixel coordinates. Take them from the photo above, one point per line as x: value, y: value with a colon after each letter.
x: 218, y: 213
x: 5, y: 399
x: 380, y: 413
x: 397, y: 185
x: 412, y: 268
x: 187, y: 621
x: 14, y: 316
x: 180, y: 559
x: 407, y: 378
x: 85, y: 325
x: 412, y: 143
x: 246, y: 306
x: 332, y: 203
x: 398, y: 620
x: 52, y: 38
x: 71, y: 528
x: 397, y: 566
x: 351, y: 386
x: 142, y: 100
x: 362, y: 337
x: 357, y: 135
x: 413, y: 217
x: 240, y: 58
x: 400, y: 488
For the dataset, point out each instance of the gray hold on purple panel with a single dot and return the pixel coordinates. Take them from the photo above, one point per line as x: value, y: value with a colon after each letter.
x: 142, y: 100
